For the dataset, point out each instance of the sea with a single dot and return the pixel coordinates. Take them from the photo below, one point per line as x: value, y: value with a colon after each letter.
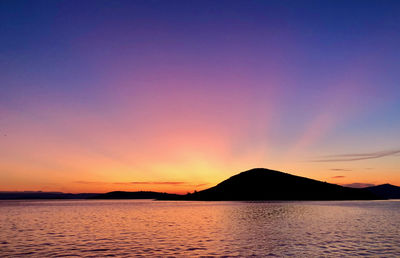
x: 134, y: 228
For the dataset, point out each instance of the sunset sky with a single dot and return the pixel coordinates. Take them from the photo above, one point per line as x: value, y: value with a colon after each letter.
x: 176, y: 96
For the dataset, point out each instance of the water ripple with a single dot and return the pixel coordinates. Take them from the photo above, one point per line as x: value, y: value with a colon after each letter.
x: 234, y: 229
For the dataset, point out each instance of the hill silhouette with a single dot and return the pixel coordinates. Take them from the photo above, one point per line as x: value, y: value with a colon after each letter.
x: 253, y: 185
x: 265, y: 184
x: 386, y: 191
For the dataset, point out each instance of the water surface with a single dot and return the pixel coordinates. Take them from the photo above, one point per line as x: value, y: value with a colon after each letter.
x: 126, y: 228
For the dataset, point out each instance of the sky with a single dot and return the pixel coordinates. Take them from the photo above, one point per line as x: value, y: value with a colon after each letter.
x: 177, y: 96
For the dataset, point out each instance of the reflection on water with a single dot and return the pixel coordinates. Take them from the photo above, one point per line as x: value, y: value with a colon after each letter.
x: 141, y: 227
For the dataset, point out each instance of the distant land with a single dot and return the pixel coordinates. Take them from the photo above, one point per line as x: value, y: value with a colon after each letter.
x: 253, y: 185
x: 386, y: 191
x: 135, y: 195
x: 8, y: 195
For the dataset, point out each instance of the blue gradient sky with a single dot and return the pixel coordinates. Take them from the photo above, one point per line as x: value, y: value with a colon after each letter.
x: 96, y: 95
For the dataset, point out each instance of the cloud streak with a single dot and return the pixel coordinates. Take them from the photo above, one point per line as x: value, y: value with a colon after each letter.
x: 172, y: 183
x: 340, y: 169
x: 358, y: 185
x: 358, y: 156
x: 154, y: 183
x: 338, y: 176
x: 200, y: 185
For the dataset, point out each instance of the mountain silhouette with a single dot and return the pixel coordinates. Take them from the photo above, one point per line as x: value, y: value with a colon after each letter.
x: 265, y: 184
x: 386, y: 191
